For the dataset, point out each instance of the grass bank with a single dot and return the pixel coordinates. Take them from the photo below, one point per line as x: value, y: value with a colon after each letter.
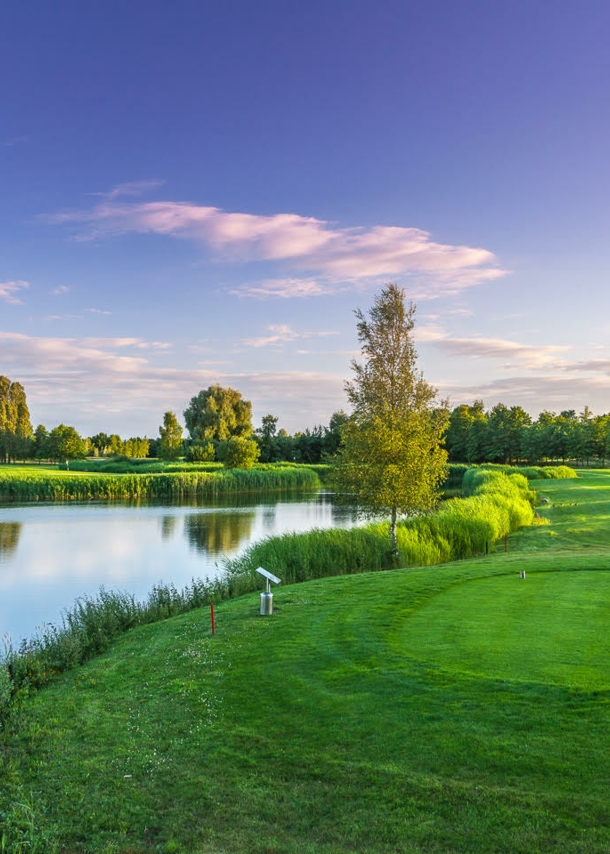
x: 458, y: 710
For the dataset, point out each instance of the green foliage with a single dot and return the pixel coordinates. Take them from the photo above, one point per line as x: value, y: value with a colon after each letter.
x: 472, y: 476
x: 88, y: 628
x: 16, y: 434
x: 390, y: 459
x: 461, y: 528
x: 217, y: 414
x: 170, y: 444
x: 34, y: 485
x: 240, y: 453
x: 64, y: 443
x: 199, y: 452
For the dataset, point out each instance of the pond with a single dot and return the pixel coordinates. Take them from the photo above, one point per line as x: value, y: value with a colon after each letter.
x: 51, y: 554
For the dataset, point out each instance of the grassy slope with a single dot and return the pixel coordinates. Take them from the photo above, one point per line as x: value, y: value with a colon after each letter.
x: 391, y: 712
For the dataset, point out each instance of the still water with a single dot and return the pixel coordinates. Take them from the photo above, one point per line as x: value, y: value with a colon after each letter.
x: 51, y: 554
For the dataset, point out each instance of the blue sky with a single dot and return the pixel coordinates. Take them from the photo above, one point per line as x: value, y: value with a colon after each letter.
x: 203, y: 192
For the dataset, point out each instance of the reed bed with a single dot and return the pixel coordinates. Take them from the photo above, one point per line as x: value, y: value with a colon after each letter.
x: 71, y: 486
x: 463, y: 527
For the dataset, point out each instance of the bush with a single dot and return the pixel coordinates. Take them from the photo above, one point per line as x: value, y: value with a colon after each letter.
x: 199, y: 452
x: 241, y: 453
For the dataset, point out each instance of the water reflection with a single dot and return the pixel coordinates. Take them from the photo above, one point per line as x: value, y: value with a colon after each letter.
x: 53, y: 553
x: 168, y: 527
x: 217, y: 533
x: 9, y: 538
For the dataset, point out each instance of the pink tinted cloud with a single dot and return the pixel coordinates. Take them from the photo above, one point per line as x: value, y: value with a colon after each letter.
x: 9, y: 289
x: 306, y: 243
x: 514, y: 353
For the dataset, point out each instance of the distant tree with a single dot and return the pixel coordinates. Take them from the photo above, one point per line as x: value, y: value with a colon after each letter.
x: 135, y: 447
x: 100, y: 443
x: 41, y: 443
x: 285, y: 446
x: 391, y: 459
x: 16, y: 434
x: 265, y: 436
x: 200, y: 452
x: 240, y: 453
x: 114, y: 446
x: 332, y: 434
x: 170, y: 442
x: 309, y: 445
x: 65, y: 444
x: 218, y: 413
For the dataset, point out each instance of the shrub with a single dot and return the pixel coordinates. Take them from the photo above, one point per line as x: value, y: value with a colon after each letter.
x: 241, y: 453
x: 199, y: 452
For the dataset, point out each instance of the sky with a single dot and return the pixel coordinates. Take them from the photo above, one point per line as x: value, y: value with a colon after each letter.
x: 194, y: 193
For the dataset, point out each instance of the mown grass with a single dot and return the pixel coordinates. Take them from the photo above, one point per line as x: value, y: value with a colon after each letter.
x: 20, y: 483
x: 344, y: 723
x: 331, y: 727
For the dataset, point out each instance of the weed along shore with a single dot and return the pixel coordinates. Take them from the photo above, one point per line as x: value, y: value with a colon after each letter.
x: 449, y: 708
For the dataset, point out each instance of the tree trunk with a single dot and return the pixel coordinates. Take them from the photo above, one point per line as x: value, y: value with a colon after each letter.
x: 393, y: 543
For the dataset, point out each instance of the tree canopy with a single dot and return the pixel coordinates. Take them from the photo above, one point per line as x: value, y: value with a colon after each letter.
x: 217, y: 414
x: 16, y: 433
x: 170, y: 444
x: 390, y: 459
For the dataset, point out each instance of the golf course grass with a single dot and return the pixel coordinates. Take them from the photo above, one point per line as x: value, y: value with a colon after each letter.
x: 456, y: 708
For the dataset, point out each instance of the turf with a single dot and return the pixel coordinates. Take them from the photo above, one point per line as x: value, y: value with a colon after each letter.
x: 450, y: 709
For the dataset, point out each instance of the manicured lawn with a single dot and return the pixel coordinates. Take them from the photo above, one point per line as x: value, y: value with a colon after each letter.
x: 450, y: 709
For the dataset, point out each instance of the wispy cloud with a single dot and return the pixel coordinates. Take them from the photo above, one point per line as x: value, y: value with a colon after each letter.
x: 285, y: 288
x: 279, y: 335
x: 322, y: 254
x: 511, y: 353
x: 97, y: 311
x: 57, y: 292
x: 94, y: 384
x: 557, y: 392
x: 131, y: 188
x: 282, y: 334
x: 9, y: 289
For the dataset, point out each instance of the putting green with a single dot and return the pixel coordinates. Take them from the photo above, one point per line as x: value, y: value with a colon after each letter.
x: 552, y: 627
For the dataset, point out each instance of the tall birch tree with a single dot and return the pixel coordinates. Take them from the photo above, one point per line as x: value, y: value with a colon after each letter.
x: 391, y: 460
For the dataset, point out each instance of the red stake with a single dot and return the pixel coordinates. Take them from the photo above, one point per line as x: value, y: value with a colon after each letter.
x: 212, y: 617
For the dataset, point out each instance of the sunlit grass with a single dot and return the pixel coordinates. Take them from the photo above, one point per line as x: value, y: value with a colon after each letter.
x: 456, y: 709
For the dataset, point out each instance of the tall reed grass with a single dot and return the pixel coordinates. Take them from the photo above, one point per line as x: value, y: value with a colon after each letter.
x: 70, y: 486
x: 461, y: 528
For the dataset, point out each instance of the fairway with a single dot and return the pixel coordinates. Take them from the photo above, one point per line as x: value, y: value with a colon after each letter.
x: 454, y: 709
x: 551, y: 627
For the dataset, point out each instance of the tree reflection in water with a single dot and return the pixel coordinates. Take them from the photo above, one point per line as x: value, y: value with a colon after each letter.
x: 215, y: 533
x: 9, y: 538
x: 168, y: 527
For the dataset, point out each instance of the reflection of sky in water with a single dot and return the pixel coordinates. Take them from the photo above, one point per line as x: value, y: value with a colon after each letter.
x: 51, y: 554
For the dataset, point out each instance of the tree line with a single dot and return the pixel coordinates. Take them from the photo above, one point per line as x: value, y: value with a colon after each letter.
x: 510, y: 435
x: 219, y: 425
